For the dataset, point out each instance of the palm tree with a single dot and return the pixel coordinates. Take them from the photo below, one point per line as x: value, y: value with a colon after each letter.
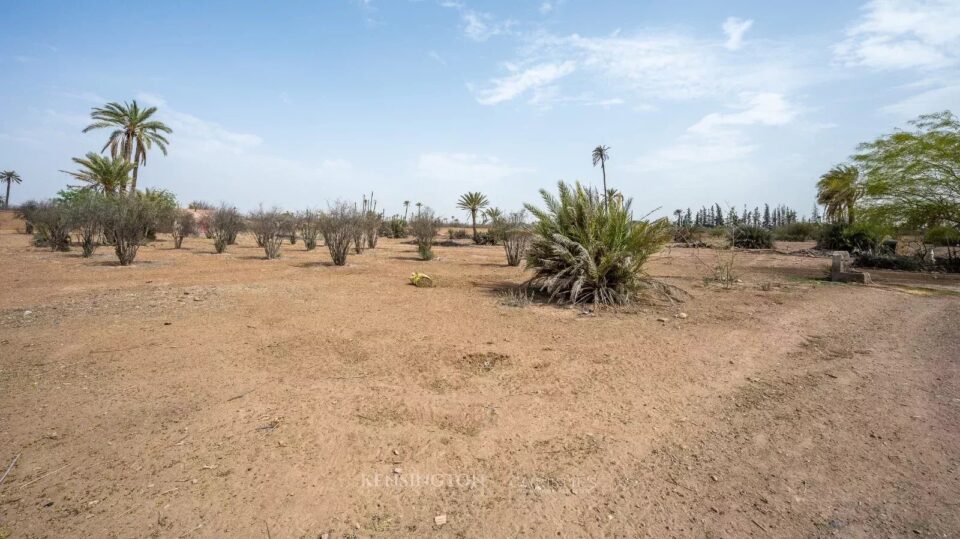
x: 601, y: 154
x: 419, y: 205
x: 8, y: 177
x: 103, y: 174
x: 133, y: 133
x: 838, y: 190
x: 493, y: 214
x: 679, y: 214
x: 473, y: 202
x: 406, y: 207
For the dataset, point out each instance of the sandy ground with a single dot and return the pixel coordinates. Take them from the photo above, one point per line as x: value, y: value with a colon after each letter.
x: 202, y: 395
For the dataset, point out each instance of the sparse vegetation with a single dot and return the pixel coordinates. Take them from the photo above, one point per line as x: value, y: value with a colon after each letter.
x: 585, y: 251
x: 515, y: 234
x: 224, y: 224
x: 308, y: 223
x: 270, y: 229
x: 86, y: 217
x: 472, y: 202
x: 797, y: 231
x: 126, y: 223
x: 51, y: 225
x: 424, y: 228
x: 338, y: 225
x: 184, y: 224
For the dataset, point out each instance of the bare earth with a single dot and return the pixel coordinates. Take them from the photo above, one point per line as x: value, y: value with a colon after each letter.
x: 202, y: 395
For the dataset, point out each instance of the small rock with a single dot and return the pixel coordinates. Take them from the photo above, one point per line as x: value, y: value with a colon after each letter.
x: 714, y: 478
x: 440, y: 520
x: 398, y: 471
x: 682, y: 315
x: 395, y: 452
x: 167, y: 323
x: 27, y: 313
x: 661, y: 319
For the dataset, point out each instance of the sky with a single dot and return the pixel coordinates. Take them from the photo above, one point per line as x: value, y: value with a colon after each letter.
x: 303, y: 103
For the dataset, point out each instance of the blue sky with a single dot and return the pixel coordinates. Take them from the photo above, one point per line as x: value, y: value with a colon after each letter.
x: 302, y: 103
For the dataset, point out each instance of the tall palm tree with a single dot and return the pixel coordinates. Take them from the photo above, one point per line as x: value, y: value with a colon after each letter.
x: 601, y: 154
x: 473, y: 202
x: 419, y: 205
x: 679, y: 214
x: 8, y: 177
x: 133, y: 133
x: 839, y: 190
x: 406, y: 207
x: 103, y: 174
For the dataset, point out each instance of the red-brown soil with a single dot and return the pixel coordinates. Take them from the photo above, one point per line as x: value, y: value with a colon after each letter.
x: 203, y: 395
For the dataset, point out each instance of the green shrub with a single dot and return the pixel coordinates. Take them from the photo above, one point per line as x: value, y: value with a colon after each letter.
x: 886, y: 261
x: 164, y: 205
x: 752, y: 237
x: 27, y: 212
x: 224, y: 225
x: 424, y: 227
x: 87, y: 210
x: 127, y: 220
x: 852, y: 238
x: 797, y: 232
x: 943, y: 236
x: 338, y: 226
x: 51, y: 224
x: 587, y: 251
x: 397, y: 228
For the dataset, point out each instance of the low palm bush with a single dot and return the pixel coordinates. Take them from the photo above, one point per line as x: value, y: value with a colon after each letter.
x: 224, y: 225
x: 127, y: 221
x: 396, y: 228
x: 797, y: 231
x: 587, y: 251
x: 308, y: 223
x: 424, y: 227
x: 184, y: 224
x: 338, y: 225
x: 270, y: 228
x: 752, y: 237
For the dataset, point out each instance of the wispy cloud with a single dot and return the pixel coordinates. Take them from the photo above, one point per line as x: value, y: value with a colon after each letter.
x: 198, y: 135
x: 510, y: 87
x: 478, y: 25
x: 755, y: 109
x: 900, y: 34
x: 734, y: 29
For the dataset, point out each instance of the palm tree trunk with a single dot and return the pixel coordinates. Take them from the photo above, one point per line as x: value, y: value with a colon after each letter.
x: 6, y: 200
x: 603, y: 168
x: 473, y: 217
x: 133, y: 184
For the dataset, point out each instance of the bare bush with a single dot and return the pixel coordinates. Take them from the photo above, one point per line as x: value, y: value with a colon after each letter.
x: 127, y: 222
x: 184, y: 224
x: 270, y: 229
x: 338, y: 225
x: 515, y: 234
x: 308, y: 223
x: 224, y: 225
x: 288, y: 227
x: 424, y: 227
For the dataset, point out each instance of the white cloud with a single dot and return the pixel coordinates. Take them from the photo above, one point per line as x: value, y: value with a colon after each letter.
x: 900, y: 34
x: 765, y: 108
x: 510, y: 87
x: 196, y: 135
x: 943, y: 97
x: 465, y: 168
x: 734, y: 29
x: 477, y: 25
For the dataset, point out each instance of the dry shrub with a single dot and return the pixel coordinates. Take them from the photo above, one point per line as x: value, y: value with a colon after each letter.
x: 515, y: 234
x: 338, y: 225
x: 424, y: 227
x: 184, y: 224
x: 270, y: 229
x: 224, y: 226
x: 51, y: 226
x: 127, y: 223
x: 308, y: 223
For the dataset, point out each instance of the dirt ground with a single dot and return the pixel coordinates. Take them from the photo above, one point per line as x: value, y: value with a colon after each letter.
x: 203, y: 395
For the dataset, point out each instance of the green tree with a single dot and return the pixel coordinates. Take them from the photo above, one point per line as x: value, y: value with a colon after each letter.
x: 134, y: 133
x: 102, y: 174
x: 473, y: 202
x: 839, y: 190
x: 9, y: 177
x: 601, y: 154
x: 913, y: 177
